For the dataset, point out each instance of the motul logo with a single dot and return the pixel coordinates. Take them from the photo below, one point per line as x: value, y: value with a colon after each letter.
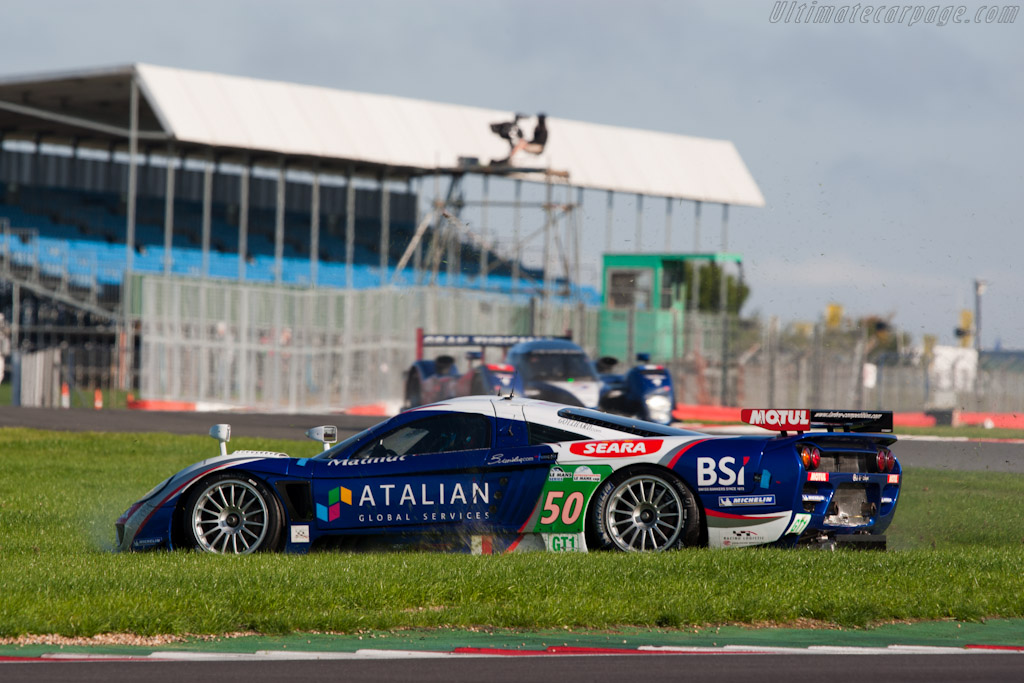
x: 616, y: 448
x: 781, y: 420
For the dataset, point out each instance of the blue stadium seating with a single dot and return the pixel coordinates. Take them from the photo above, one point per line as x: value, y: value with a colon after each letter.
x: 81, y: 235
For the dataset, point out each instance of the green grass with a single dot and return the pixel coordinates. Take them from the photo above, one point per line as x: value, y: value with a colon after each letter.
x: 957, y: 552
x: 80, y: 398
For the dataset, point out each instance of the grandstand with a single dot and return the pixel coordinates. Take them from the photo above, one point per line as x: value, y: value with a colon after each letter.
x: 112, y: 178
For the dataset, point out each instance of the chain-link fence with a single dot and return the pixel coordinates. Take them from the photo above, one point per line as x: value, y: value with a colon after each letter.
x: 300, y: 350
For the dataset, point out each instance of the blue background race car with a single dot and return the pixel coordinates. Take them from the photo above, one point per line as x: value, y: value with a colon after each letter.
x: 490, y: 474
x: 550, y: 369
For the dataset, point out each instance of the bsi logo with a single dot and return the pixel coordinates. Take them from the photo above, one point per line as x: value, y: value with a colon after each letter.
x: 721, y: 472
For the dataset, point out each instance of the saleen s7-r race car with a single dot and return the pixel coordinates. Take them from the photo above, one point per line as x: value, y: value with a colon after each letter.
x: 500, y: 474
x: 546, y: 368
x: 493, y: 474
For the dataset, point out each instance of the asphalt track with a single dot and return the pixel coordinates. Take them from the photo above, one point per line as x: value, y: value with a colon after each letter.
x: 737, y: 662
x: 710, y: 668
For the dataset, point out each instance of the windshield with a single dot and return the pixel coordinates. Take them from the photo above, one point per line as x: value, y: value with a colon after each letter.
x: 557, y: 366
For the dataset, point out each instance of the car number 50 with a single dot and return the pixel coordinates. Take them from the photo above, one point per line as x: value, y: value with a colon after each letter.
x: 569, y: 511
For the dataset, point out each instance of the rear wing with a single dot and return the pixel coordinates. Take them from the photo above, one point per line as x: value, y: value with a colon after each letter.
x: 424, y: 340
x: 803, y: 420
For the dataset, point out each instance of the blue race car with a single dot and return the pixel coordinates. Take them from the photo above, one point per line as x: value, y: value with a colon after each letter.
x: 487, y: 474
x: 550, y: 368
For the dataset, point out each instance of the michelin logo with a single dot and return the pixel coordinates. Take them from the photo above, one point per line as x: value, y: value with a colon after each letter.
x: 736, y: 501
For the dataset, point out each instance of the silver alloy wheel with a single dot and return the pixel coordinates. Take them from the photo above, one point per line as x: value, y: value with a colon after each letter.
x: 644, y: 512
x: 230, y: 517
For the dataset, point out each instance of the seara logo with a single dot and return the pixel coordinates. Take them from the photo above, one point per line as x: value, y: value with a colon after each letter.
x: 616, y: 448
x: 335, y: 497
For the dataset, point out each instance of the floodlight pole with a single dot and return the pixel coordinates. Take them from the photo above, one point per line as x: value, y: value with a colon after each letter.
x: 979, y: 288
x: 723, y: 304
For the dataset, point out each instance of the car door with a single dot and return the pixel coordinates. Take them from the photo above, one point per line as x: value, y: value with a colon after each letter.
x: 434, y: 471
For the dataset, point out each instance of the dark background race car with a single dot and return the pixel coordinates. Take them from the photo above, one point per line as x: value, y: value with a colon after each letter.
x: 486, y: 474
x: 547, y: 368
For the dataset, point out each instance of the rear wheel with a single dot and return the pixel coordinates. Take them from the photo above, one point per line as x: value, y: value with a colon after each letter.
x: 231, y: 514
x: 478, y: 388
x: 644, y: 508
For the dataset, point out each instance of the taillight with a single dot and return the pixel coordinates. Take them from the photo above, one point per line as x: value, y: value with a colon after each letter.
x: 885, y: 460
x: 810, y: 456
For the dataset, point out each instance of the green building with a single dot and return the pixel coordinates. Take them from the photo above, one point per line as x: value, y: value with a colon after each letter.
x: 644, y: 303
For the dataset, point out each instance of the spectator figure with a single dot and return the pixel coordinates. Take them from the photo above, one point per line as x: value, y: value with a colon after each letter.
x: 518, y: 141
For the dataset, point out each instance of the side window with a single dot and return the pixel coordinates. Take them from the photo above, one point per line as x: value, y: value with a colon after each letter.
x: 543, y: 434
x: 436, y: 434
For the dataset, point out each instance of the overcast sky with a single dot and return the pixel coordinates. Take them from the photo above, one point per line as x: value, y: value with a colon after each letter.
x: 890, y: 155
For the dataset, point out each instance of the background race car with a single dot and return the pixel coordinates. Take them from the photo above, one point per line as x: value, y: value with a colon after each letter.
x: 487, y: 474
x: 547, y: 368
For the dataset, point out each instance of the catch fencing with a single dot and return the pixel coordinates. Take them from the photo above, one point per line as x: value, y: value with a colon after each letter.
x: 309, y: 350
x: 814, y: 366
x: 277, y: 349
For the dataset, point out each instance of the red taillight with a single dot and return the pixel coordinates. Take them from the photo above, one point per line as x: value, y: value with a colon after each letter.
x: 885, y: 460
x: 810, y: 456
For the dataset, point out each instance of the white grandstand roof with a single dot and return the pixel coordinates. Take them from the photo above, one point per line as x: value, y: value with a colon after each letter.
x: 251, y: 117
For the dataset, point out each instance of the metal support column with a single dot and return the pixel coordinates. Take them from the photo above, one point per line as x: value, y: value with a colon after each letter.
x: 695, y: 268
x: 548, y: 219
x: 207, y: 214
x: 417, y: 260
x: 350, y: 230
x: 314, y: 230
x: 133, y: 148
x: 128, y: 361
x: 483, y: 231
x: 243, y: 219
x: 385, y: 226
x: 169, y: 210
x: 279, y: 227
x: 517, y: 252
x: 577, y: 246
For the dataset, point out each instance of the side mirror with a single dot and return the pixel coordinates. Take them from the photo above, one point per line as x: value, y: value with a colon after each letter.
x: 223, y: 434
x: 326, y: 434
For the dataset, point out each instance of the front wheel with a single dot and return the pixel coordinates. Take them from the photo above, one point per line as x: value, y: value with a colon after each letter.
x: 644, y: 508
x: 231, y: 514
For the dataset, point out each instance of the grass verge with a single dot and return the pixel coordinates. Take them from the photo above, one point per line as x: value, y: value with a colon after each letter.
x: 958, y: 543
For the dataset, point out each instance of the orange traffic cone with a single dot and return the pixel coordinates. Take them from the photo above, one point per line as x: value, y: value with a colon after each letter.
x: 97, y: 400
x: 65, y: 395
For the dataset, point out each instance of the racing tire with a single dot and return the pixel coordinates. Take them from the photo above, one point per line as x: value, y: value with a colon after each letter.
x: 232, y: 514
x: 413, y: 394
x: 644, y: 509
